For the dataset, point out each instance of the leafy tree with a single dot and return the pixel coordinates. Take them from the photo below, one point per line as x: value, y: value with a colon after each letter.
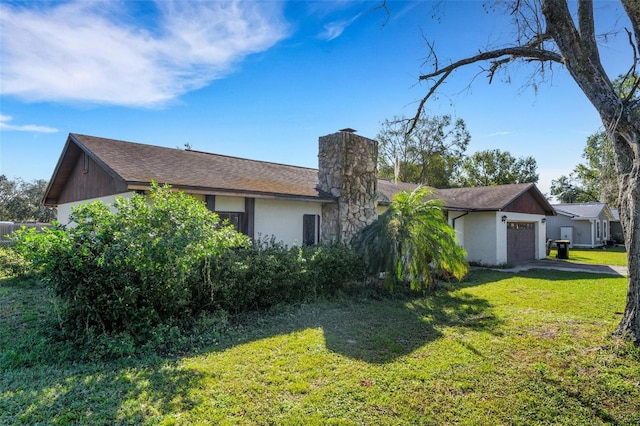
x: 21, y: 201
x: 412, y: 242
x: 568, y: 190
x: 495, y: 167
x: 429, y: 155
x: 546, y: 33
x: 595, y: 180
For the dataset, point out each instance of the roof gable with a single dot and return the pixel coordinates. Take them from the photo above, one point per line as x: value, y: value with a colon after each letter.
x: 523, y: 197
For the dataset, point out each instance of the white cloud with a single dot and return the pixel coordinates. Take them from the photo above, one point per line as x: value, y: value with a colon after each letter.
x: 99, y: 52
x: 4, y: 125
x: 501, y: 133
x: 335, y: 29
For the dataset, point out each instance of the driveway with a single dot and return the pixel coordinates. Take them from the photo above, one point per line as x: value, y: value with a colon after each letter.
x: 561, y: 265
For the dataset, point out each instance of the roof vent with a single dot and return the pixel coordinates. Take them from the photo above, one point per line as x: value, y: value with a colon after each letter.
x: 348, y: 130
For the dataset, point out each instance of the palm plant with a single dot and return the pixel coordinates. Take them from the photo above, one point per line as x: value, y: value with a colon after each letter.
x: 412, y: 242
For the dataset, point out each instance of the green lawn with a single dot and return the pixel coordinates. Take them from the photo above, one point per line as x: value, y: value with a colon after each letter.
x: 616, y: 256
x: 532, y: 348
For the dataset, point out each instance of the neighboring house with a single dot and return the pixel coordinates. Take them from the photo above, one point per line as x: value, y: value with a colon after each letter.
x: 583, y: 224
x: 615, y: 227
x: 296, y: 205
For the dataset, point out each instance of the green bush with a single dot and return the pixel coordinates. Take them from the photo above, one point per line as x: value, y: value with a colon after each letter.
x: 12, y: 263
x: 129, y: 270
x: 268, y: 273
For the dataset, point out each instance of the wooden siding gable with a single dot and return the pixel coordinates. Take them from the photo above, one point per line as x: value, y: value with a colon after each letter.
x: 526, y: 203
x: 79, y: 175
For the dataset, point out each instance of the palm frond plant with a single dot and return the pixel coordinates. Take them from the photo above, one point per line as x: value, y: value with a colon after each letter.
x: 411, y: 242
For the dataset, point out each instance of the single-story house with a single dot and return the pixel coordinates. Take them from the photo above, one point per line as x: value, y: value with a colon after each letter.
x: 583, y: 224
x: 297, y: 205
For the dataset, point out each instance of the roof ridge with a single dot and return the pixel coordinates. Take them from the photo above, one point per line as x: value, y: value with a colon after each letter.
x: 196, y: 151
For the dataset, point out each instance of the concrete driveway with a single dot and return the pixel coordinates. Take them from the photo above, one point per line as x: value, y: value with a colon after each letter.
x: 561, y: 265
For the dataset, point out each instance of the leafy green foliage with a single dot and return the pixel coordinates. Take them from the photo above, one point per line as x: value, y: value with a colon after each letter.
x: 11, y: 262
x: 21, y: 201
x: 429, y: 155
x: 268, y: 274
x: 128, y: 270
x: 412, y: 241
x: 495, y: 167
x: 595, y: 180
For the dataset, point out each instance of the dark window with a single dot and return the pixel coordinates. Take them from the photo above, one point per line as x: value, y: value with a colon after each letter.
x: 234, y: 219
x: 310, y: 229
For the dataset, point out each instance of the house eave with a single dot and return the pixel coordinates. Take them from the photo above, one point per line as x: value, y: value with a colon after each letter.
x: 145, y: 186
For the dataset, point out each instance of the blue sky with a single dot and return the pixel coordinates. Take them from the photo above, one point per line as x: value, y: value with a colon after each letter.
x: 264, y: 80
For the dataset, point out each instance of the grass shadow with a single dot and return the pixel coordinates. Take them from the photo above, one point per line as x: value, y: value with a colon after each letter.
x: 378, y: 330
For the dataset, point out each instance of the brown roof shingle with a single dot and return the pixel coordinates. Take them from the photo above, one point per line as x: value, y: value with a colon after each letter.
x: 489, y: 198
x: 140, y: 164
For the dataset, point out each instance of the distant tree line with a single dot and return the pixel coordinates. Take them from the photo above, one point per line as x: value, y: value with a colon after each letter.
x: 21, y: 201
x: 433, y: 154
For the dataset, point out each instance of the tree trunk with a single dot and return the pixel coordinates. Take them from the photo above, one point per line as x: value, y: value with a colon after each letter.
x: 621, y: 118
x: 626, y: 142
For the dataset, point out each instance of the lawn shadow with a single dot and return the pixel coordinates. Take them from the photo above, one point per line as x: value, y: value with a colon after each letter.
x: 373, y: 329
x: 382, y: 329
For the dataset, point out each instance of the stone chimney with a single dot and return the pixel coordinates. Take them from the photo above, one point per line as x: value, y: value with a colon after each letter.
x: 347, y: 169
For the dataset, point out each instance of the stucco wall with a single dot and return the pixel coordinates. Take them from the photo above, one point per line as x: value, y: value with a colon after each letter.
x: 64, y: 210
x: 484, y: 235
x: 282, y: 219
x: 229, y: 204
x: 477, y: 234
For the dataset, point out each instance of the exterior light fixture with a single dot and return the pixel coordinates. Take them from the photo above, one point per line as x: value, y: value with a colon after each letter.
x: 544, y: 220
x: 504, y: 218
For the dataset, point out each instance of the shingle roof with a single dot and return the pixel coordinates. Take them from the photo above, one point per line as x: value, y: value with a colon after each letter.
x: 140, y: 164
x: 580, y: 210
x: 488, y: 198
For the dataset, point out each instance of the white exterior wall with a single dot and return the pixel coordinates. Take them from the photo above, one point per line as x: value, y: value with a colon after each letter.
x: 282, y: 219
x: 476, y: 232
x: 64, y: 210
x: 229, y: 204
x: 540, y: 228
x: 484, y: 235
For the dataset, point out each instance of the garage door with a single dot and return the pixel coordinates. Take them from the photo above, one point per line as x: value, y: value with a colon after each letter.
x: 521, y: 241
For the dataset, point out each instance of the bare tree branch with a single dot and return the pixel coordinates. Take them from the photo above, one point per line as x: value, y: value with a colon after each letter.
x: 502, y: 56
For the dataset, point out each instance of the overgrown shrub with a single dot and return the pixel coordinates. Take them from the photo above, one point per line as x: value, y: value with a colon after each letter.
x: 129, y: 270
x: 12, y: 263
x: 268, y: 273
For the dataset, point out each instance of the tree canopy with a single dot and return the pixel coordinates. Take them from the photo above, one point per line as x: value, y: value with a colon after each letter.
x: 429, y: 155
x: 494, y: 167
x: 21, y: 201
x: 595, y: 180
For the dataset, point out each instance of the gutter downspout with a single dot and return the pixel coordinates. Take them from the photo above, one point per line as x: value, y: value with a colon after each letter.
x: 453, y: 221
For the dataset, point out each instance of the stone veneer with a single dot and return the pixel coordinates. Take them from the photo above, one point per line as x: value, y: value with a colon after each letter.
x: 347, y: 169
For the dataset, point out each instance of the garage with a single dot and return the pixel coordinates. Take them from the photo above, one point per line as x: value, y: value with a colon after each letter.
x: 521, y: 241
